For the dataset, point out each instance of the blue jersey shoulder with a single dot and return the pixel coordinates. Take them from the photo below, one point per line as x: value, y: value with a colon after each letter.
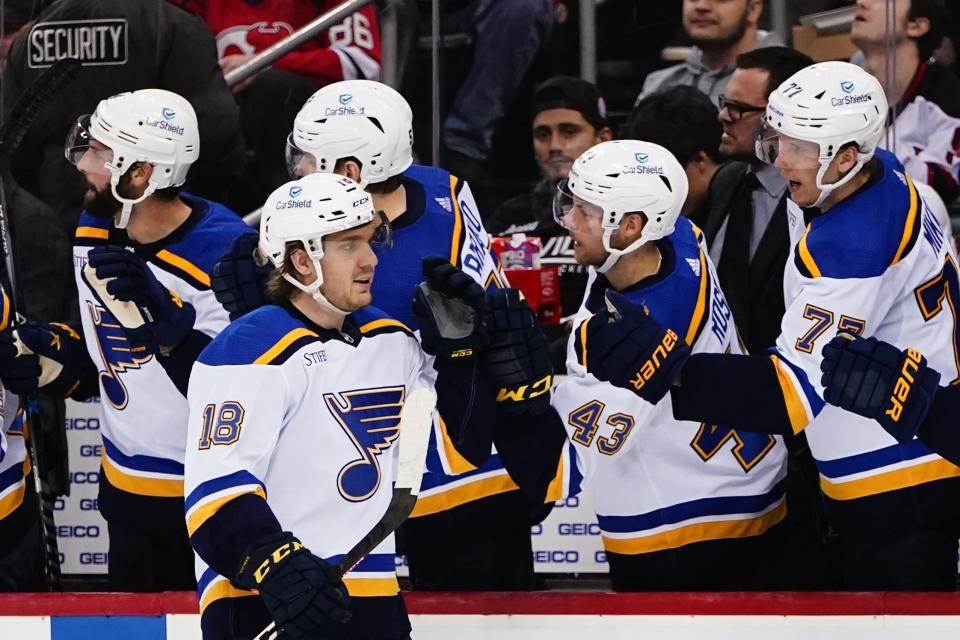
x: 865, y: 234
x: 264, y: 336
x: 373, y: 321
x: 210, y: 238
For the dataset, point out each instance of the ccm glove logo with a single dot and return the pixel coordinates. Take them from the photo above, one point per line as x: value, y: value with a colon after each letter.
x: 278, y: 555
x: 904, y: 384
x: 525, y: 391
x: 650, y: 366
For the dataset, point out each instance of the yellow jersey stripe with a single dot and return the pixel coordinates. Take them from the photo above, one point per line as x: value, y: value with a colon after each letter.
x: 371, y: 587
x: 555, y: 489
x: 806, y: 256
x: 383, y: 322
x: 908, y: 228
x: 444, y: 500
x: 185, y: 265
x: 583, y: 342
x: 284, y: 342
x: 699, y: 532
x: 5, y: 321
x: 795, y: 409
x: 458, y: 464
x: 93, y: 232
x: 222, y: 589
x: 10, y: 502
x: 701, y: 307
x: 201, y: 514
x: 457, y: 223
x: 889, y: 481
x: 155, y: 487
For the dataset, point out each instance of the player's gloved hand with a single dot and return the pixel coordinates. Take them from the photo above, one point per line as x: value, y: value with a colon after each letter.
x: 629, y: 349
x: 516, y: 360
x: 297, y: 587
x: 876, y: 380
x: 239, y: 281
x: 448, y: 305
x: 64, y: 361
x: 20, y: 373
x: 165, y: 318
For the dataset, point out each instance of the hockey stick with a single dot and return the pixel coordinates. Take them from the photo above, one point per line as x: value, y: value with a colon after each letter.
x: 24, y: 113
x: 416, y: 419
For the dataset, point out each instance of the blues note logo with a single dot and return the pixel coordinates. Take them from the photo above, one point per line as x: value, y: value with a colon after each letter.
x: 371, y: 419
x: 116, y: 353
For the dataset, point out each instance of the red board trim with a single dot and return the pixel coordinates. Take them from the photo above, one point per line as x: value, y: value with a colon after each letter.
x: 537, y: 603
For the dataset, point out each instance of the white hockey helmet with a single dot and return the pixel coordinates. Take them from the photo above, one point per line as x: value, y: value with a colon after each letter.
x: 828, y: 104
x: 154, y: 126
x: 307, y: 210
x: 625, y: 176
x: 363, y: 119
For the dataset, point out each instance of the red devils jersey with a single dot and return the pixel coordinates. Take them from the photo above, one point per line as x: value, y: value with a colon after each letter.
x: 347, y: 51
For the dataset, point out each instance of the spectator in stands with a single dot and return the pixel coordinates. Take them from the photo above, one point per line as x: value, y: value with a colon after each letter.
x: 270, y: 101
x: 925, y: 96
x: 720, y: 31
x: 144, y: 44
x: 684, y: 121
x: 507, y: 35
x: 569, y: 117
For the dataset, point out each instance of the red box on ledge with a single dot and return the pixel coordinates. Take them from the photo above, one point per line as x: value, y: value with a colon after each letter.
x: 520, y: 259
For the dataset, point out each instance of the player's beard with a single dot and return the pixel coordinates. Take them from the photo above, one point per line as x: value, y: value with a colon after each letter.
x: 724, y: 42
x: 103, y: 204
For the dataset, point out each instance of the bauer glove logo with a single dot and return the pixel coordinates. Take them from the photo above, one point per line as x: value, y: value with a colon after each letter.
x: 904, y: 384
x: 650, y: 366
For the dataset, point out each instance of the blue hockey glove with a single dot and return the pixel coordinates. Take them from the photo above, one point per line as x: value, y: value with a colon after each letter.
x: 239, y: 281
x: 629, y: 349
x: 876, y: 380
x: 20, y: 373
x: 297, y: 587
x: 166, y: 318
x: 516, y: 360
x: 448, y: 305
x: 64, y: 361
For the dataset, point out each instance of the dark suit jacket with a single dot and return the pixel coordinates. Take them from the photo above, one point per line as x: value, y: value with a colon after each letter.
x: 757, y: 304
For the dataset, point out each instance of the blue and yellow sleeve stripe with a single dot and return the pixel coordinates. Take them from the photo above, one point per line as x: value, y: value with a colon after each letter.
x: 801, y: 401
x: 568, y: 480
x: 204, y: 501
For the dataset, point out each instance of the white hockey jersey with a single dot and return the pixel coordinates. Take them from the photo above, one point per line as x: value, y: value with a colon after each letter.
x: 660, y: 483
x: 307, y: 419
x: 14, y: 461
x: 877, y: 264
x: 144, y: 415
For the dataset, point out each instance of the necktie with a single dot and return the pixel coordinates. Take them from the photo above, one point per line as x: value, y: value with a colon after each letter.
x: 734, y: 267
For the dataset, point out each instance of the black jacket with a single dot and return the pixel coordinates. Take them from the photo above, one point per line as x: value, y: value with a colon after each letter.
x: 124, y: 45
x: 760, y: 311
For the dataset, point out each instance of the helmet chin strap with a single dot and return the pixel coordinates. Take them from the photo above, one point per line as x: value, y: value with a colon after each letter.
x: 827, y: 189
x: 613, y: 255
x: 121, y: 221
x: 313, y: 289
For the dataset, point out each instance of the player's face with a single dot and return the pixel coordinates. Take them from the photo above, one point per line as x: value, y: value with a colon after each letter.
x: 745, y: 94
x: 582, y: 221
x: 718, y: 24
x: 870, y: 21
x: 348, y: 264
x: 98, y: 200
x: 559, y: 137
x: 799, y: 163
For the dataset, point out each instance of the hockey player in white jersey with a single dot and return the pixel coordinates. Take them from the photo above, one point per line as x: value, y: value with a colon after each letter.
x: 143, y: 253
x: 680, y: 505
x: 868, y: 259
x: 363, y: 129
x: 308, y: 389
